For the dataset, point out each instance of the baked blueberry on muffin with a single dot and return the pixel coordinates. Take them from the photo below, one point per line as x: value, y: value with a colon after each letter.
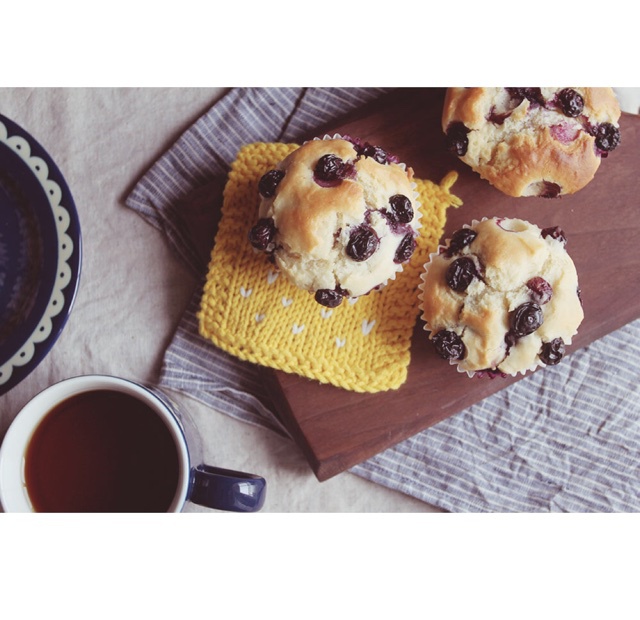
x: 532, y: 141
x: 501, y: 296
x: 338, y: 216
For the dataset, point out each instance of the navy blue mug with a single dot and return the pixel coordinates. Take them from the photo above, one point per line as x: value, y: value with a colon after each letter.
x: 97, y: 443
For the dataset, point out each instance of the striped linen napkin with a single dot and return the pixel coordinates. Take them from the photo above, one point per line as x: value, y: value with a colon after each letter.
x: 566, y: 439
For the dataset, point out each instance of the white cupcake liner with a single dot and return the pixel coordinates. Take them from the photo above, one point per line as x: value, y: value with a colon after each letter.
x: 483, y: 373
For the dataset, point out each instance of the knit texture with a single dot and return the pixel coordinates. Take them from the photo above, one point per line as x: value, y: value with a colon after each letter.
x: 253, y: 312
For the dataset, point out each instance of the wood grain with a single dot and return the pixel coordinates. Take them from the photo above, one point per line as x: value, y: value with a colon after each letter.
x: 337, y: 429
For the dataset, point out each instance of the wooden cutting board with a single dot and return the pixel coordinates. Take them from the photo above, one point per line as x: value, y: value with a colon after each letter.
x: 337, y: 429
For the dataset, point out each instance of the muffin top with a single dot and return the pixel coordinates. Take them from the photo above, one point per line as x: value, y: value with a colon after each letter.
x: 339, y: 217
x: 502, y: 296
x: 532, y: 141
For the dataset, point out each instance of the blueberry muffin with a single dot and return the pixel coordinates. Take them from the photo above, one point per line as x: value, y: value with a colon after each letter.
x: 338, y: 216
x: 501, y: 297
x: 532, y: 141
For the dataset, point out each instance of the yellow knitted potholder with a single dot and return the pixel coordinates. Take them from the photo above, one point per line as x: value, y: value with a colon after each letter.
x: 253, y: 312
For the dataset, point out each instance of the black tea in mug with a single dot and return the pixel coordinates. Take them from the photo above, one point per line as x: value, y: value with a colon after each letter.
x: 97, y: 443
x: 102, y: 451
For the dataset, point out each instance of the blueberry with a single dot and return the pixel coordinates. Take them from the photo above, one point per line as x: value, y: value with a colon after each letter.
x: 552, y: 352
x: 401, y: 209
x: 571, y: 102
x: 510, y: 340
x: 329, y: 168
x: 549, y: 190
x: 449, y: 345
x: 328, y: 297
x: 555, y: 232
x: 534, y: 95
x: 375, y: 152
x: 541, y: 290
x: 459, y: 240
x: 262, y: 234
x: 461, y: 273
x: 363, y: 242
x: 457, y: 139
x: 405, y: 249
x: 607, y: 136
x: 498, y: 118
x: 269, y: 182
x: 525, y: 319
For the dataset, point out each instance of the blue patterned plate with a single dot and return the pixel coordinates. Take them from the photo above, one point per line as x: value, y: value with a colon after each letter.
x: 40, y: 253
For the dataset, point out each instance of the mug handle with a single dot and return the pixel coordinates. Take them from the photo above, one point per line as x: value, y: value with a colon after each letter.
x: 225, y: 489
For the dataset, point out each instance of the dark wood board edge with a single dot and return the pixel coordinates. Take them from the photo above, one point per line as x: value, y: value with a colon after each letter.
x: 284, y: 413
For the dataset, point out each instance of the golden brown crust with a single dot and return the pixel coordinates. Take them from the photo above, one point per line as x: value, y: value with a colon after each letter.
x: 304, y: 211
x: 529, y: 149
x: 602, y: 104
x: 465, y: 105
x: 528, y: 160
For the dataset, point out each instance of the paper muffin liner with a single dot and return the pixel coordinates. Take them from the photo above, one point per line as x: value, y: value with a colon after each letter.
x: 416, y: 225
x: 484, y: 373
